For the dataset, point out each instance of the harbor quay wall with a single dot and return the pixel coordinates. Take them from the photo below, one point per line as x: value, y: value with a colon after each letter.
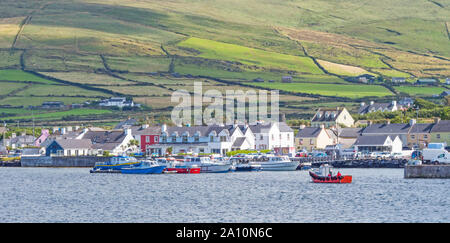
x: 48, y: 161
x: 427, y: 171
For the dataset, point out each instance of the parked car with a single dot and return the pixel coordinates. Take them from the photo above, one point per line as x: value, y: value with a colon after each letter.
x: 301, y: 154
x: 396, y: 155
x: 320, y: 155
x: 383, y: 155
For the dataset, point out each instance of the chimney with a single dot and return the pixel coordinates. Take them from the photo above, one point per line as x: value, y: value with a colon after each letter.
x: 363, y: 104
x: 127, y: 131
x: 77, y: 128
x: 63, y: 130
x: 394, y: 103
x: 13, y: 135
x: 302, y: 127
x: 23, y: 134
x: 164, y: 128
x: 55, y: 129
x: 412, y: 122
x: 69, y: 129
x: 322, y: 126
x: 371, y: 102
x: 388, y: 122
x: 437, y: 120
x: 144, y: 126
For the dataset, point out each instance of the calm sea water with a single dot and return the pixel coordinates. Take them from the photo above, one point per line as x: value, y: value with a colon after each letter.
x: 75, y: 195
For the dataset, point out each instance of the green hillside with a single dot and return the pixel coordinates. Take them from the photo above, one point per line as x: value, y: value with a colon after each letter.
x: 147, y: 49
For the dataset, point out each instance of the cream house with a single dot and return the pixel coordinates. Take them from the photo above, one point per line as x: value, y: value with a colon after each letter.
x: 332, y: 117
x: 312, y: 138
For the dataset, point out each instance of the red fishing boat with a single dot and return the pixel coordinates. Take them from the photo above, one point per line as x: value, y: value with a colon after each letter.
x: 325, y: 175
x: 178, y: 167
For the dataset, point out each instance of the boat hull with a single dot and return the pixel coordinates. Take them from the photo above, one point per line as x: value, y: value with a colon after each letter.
x: 184, y: 170
x: 324, y: 179
x: 279, y: 166
x: 144, y: 170
x: 215, y: 168
x: 116, y: 167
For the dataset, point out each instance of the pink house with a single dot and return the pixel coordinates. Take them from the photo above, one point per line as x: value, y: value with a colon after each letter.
x: 44, y: 135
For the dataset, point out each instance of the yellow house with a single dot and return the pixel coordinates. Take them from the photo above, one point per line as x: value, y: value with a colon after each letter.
x: 332, y: 117
x: 312, y: 138
x: 419, y: 135
x: 440, y: 132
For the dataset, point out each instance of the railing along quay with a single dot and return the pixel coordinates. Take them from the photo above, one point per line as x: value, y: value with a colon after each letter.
x: 346, y: 162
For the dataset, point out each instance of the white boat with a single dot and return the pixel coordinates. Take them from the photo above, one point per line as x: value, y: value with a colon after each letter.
x: 208, y: 166
x: 277, y: 163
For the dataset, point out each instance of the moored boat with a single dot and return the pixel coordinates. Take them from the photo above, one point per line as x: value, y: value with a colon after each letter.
x: 325, y: 175
x: 145, y: 167
x: 174, y: 166
x: 240, y: 165
x: 207, y: 166
x: 277, y: 163
x: 115, y: 163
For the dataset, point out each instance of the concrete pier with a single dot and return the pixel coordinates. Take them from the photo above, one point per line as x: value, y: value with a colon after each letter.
x: 427, y: 171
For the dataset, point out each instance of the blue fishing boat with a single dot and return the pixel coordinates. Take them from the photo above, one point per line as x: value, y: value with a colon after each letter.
x: 115, y: 164
x: 146, y: 167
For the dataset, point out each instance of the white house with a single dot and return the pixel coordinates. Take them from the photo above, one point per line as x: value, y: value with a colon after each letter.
x: 378, y: 143
x: 117, y: 101
x: 116, y: 142
x: 276, y: 136
x: 203, y: 139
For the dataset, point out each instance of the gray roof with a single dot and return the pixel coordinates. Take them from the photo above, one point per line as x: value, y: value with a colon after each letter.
x: 25, y: 139
x: 105, y: 136
x: 441, y: 126
x: 377, y: 140
x: 375, y: 106
x: 284, y: 127
x: 154, y: 130
x: 400, y: 128
x: 74, y: 143
x: 261, y: 127
x: 238, y: 142
x: 129, y: 122
x: 31, y: 151
x: 349, y: 132
x: 326, y: 115
x: 421, y: 128
x: 309, y: 132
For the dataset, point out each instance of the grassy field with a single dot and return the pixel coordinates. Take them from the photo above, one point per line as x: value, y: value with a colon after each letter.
x: 7, y: 87
x: 351, y: 90
x: 96, y: 42
x: 250, y: 56
x: 60, y: 114
x: 420, y: 90
x: 21, y: 76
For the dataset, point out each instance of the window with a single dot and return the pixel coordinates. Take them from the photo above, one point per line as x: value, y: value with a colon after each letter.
x: 311, y: 141
x: 211, y: 139
x: 413, y: 137
x: 261, y: 137
x: 155, y: 139
x: 273, y: 137
x: 147, y: 139
x: 425, y: 136
x: 438, y: 136
x: 288, y: 137
x: 223, y: 138
x: 185, y: 138
x: 196, y: 138
x: 164, y: 139
x: 174, y: 138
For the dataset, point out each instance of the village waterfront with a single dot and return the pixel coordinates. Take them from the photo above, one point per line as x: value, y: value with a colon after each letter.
x: 75, y: 195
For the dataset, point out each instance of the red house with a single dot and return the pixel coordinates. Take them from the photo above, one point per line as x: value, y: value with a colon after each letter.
x: 147, y: 136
